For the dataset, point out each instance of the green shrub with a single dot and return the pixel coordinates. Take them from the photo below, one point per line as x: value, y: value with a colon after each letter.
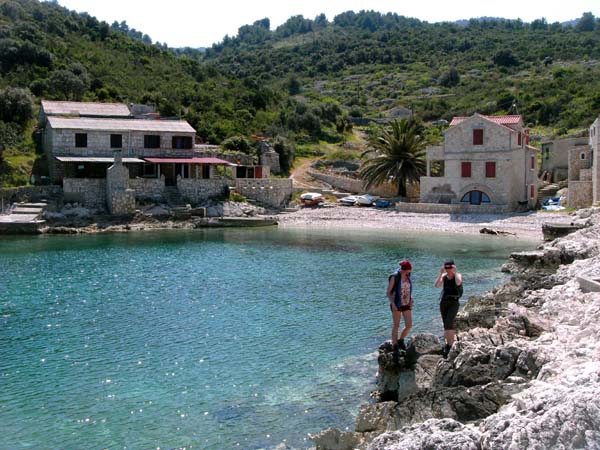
x: 237, y: 197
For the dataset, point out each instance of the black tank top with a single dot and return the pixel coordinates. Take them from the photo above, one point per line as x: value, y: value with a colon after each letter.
x: 450, y: 291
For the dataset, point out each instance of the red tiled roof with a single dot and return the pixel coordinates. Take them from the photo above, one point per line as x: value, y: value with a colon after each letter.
x: 500, y: 120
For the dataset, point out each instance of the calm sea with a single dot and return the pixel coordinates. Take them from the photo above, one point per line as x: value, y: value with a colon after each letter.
x: 212, y: 339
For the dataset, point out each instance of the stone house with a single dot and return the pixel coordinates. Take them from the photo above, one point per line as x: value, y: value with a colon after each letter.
x: 161, y: 158
x: 594, y: 141
x: 580, y: 177
x: 485, y: 164
x: 584, y: 171
x: 555, y: 157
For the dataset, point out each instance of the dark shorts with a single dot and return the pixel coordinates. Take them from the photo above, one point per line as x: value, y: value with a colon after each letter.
x: 402, y: 307
x: 449, y: 310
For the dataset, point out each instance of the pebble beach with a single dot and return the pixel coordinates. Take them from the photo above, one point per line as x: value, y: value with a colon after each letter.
x: 520, y: 225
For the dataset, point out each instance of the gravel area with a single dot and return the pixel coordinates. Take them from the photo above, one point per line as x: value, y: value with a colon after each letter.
x: 521, y: 225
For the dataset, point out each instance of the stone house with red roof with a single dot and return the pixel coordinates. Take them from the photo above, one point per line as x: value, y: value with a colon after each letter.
x: 485, y: 164
x: 83, y: 140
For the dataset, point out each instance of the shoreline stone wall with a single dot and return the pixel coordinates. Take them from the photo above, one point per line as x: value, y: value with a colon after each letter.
x: 149, y: 189
x: 270, y: 191
x: 440, y: 208
x: 90, y: 192
x: 354, y: 186
x: 198, y: 190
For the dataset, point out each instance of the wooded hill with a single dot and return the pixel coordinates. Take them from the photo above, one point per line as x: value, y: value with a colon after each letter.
x: 372, y: 63
x: 301, y: 81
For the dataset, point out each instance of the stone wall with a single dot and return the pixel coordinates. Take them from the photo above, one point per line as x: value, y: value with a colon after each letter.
x: 579, y: 194
x: 459, y: 208
x: 579, y: 159
x: 148, y: 189
x: 196, y: 191
x: 121, y: 202
x: 120, y: 199
x: 90, y: 192
x: 270, y: 191
x: 269, y: 157
x: 354, y: 186
x: 98, y: 142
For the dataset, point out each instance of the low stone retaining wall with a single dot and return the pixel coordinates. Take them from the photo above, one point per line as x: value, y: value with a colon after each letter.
x: 90, y: 192
x: 270, y: 191
x: 579, y: 194
x: 354, y: 186
x: 196, y: 191
x: 435, y: 208
x: 148, y: 188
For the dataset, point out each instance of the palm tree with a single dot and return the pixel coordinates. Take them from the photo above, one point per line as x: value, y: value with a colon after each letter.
x: 400, y: 156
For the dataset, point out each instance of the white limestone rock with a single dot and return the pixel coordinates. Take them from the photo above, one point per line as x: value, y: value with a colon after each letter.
x: 444, y: 434
x: 556, y: 418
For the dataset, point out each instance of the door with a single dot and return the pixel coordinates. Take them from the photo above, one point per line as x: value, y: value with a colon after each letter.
x: 168, y: 170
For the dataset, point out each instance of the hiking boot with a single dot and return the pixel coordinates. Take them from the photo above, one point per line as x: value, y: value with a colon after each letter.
x: 401, y: 344
x: 446, y: 350
x: 395, y: 353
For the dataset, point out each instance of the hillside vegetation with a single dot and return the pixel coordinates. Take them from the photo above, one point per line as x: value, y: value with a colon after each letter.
x: 301, y: 83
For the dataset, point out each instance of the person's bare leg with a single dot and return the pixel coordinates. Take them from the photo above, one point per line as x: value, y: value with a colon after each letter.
x: 396, y: 315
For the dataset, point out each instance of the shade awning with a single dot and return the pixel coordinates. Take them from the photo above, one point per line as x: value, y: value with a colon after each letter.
x: 95, y: 159
x: 189, y: 161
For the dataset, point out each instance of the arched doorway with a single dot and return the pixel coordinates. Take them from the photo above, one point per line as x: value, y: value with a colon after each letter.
x: 475, y: 198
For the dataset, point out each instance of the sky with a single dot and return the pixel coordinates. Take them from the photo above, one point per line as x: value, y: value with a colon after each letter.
x: 199, y: 23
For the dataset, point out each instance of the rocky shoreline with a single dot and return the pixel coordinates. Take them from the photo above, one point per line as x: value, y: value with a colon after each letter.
x: 523, y: 374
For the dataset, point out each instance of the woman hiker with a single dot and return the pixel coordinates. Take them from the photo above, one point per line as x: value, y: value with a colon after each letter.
x: 451, y: 292
x: 399, y: 293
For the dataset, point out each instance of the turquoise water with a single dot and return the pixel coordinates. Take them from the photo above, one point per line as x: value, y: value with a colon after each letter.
x: 211, y: 339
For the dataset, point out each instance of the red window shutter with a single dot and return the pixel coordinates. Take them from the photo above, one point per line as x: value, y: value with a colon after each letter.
x: 519, y: 139
x: 465, y: 169
x: 478, y: 137
x: 531, y: 191
x: 533, y: 162
x: 490, y: 169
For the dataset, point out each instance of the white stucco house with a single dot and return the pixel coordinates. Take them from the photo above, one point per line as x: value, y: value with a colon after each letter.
x: 484, y: 164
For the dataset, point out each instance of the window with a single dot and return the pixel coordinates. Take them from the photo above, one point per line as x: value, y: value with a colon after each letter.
x: 546, y: 151
x: 182, y: 142
x: 478, y: 137
x: 437, y: 168
x: 151, y: 141
x: 519, y: 139
x: 532, y: 164
x: 116, y: 141
x: 582, y: 156
x: 80, y: 140
x: 490, y: 169
x: 475, y: 198
x: 465, y: 169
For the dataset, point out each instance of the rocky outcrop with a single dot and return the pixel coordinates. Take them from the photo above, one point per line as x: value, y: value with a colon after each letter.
x: 524, y: 372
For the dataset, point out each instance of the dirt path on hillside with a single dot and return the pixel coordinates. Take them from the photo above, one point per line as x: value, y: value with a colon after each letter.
x: 301, y: 178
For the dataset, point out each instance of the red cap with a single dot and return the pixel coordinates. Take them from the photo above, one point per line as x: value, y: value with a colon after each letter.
x: 405, y: 265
